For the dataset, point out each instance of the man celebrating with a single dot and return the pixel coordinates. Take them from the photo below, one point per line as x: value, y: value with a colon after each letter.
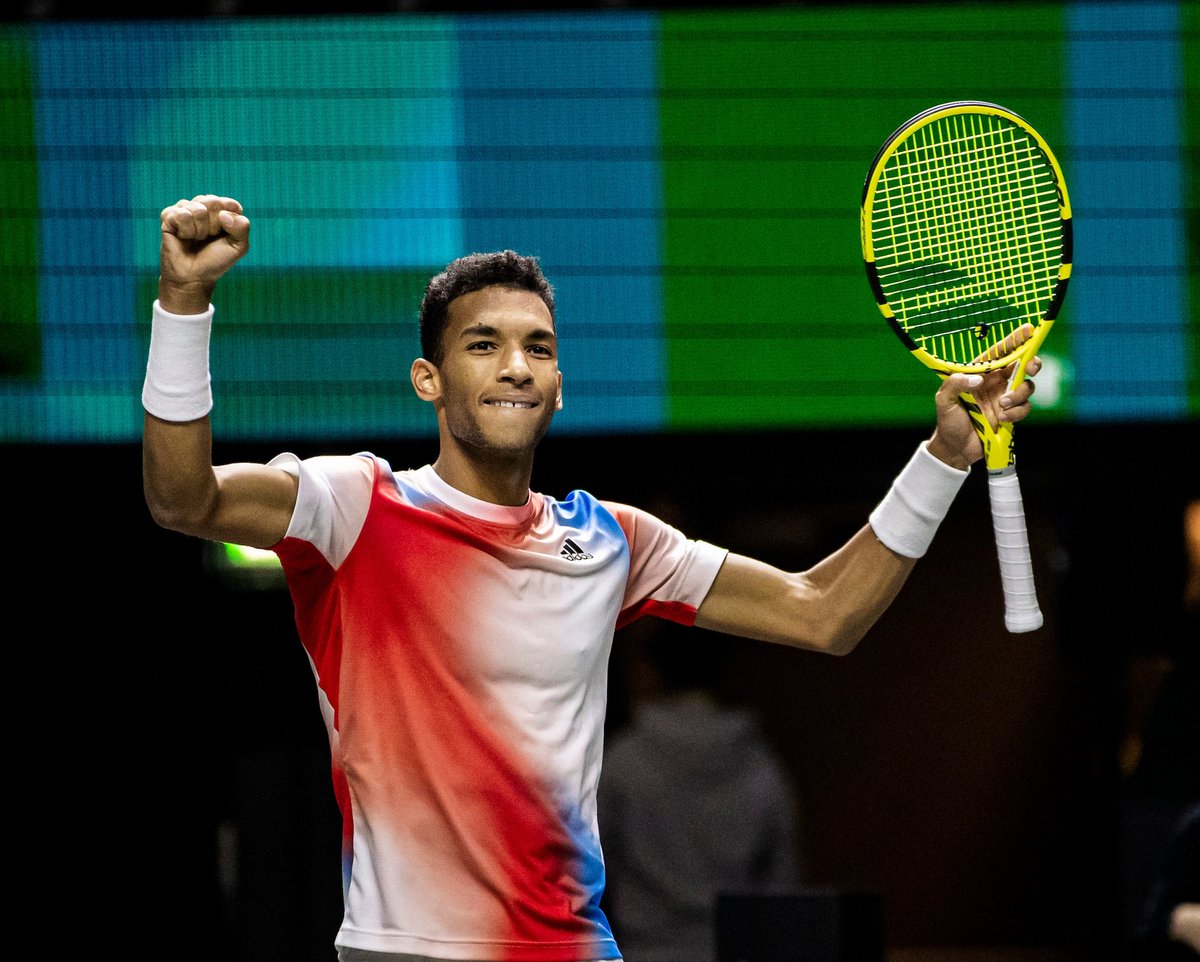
x: 459, y: 625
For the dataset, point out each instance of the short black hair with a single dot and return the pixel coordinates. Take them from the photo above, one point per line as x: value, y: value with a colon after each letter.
x: 474, y: 272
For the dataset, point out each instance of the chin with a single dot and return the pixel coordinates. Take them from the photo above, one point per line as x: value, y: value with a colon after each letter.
x: 514, y: 444
x: 518, y: 440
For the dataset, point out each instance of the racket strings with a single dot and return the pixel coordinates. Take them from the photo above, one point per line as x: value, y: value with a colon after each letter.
x: 967, y: 233
x: 967, y: 216
x: 938, y: 174
x: 942, y: 228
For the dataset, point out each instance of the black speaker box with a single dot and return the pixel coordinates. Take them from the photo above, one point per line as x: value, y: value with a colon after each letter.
x: 808, y: 926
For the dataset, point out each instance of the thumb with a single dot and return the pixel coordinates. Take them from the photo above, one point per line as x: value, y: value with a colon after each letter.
x: 237, y: 230
x: 957, y: 384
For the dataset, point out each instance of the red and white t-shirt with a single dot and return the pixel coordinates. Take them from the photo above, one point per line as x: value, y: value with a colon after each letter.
x: 460, y: 650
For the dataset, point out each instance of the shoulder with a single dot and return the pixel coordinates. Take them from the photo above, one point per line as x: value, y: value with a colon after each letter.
x: 628, y: 516
x: 641, y: 526
x: 335, y: 468
x: 332, y: 499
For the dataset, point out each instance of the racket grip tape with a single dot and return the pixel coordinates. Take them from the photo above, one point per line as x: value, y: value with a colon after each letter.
x: 1021, y: 611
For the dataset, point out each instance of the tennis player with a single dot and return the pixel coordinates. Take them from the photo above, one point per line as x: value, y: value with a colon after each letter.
x: 458, y: 624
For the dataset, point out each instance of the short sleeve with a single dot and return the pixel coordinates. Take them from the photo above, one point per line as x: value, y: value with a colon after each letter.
x: 331, y: 503
x: 669, y: 573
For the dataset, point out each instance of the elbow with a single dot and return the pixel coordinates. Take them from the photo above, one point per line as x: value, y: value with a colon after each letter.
x: 167, y: 517
x: 831, y: 637
x: 845, y: 630
x: 174, y: 515
x: 842, y: 641
x: 820, y: 622
x: 828, y: 639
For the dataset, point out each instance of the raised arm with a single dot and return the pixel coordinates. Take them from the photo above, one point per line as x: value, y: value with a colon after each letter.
x: 831, y: 606
x: 247, y: 504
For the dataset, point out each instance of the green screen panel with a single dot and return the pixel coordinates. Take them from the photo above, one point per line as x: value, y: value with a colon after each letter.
x: 769, y: 121
x: 758, y: 359
x: 20, y: 343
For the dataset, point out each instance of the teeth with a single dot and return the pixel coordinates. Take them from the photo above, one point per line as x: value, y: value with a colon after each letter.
x: 511, y: 404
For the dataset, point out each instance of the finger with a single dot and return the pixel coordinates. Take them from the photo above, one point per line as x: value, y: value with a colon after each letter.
x: 1014, y: 340
x: 1007, y: 346
x: 1015, y: 414
x: 1031, y: 368
x: 1017, y: 397
x: 178, y: 220
x: 205, y: 225
x: 237, y: 227
x: 167, y: 216
x: 214, y: 205
x: 217, y: 206
x: 954, y: 385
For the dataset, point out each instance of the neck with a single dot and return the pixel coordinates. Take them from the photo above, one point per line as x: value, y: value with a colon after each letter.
x: 500, y: 477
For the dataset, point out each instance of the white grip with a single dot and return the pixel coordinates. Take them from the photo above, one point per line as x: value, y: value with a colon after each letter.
x: 1021, y: 611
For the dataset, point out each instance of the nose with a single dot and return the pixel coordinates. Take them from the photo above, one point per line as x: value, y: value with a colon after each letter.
x: 515, y: 366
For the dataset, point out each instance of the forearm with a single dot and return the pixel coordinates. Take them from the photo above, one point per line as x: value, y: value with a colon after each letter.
x: 831, y: 606
x: 178, y: 479
x: 827, y: 608
x: 854, y: 586
x: 857, y: 583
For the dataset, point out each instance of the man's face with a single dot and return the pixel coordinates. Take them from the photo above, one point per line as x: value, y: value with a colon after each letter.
x: 499, y: 380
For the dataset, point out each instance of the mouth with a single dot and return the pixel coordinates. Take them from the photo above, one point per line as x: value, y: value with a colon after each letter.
x: 519, y: 405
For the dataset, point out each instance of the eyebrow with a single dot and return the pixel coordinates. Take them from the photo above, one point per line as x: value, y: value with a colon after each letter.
x: 486, y: 330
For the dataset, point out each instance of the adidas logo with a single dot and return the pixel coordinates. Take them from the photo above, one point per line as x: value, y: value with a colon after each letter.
x: 572, y: 552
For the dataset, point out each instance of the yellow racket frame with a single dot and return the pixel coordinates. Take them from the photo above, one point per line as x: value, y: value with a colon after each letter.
x: 997, y: 442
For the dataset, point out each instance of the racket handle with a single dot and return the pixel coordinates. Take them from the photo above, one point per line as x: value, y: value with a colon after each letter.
x: 1021, y: 611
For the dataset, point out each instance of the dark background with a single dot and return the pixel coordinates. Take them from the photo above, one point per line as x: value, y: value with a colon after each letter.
x: 970, y: 776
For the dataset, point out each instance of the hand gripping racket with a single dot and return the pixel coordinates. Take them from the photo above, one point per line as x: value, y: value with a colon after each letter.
x: 966, y: 236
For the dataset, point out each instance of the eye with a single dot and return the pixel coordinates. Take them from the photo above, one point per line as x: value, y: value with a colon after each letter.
x: 541, y: 350
x: 480, y: 346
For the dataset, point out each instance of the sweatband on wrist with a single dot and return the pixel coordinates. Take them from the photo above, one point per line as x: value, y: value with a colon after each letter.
x: 178, y: 386
x: 908, y: 516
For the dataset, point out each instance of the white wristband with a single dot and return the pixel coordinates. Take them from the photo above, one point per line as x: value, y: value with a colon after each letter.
x: 908, y: 517
x: 178, y: 386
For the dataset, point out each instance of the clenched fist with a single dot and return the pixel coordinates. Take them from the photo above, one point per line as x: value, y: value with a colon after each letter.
x: 201, y: 239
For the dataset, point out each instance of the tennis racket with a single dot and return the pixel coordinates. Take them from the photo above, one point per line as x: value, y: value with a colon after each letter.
x: 966, y: 237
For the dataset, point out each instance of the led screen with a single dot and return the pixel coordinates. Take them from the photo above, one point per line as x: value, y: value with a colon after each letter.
x: 689, y: 180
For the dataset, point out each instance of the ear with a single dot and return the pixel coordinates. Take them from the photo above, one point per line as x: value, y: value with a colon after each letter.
x: 558, y: 399
x: 426, y: 380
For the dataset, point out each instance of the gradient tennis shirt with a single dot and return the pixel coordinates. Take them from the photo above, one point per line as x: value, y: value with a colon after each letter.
x: 460, y: 650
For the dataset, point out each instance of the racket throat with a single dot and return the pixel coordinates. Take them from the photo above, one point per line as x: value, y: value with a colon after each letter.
x: 997, y: 442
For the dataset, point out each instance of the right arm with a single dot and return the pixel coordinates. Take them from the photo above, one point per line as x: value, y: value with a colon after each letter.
x: 249, y: 504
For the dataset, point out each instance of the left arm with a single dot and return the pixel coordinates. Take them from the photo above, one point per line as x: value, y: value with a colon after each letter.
x: 831, y: 606
x: 827, y: 608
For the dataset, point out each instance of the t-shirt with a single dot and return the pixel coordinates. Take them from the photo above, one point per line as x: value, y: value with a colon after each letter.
x: 460, y: 651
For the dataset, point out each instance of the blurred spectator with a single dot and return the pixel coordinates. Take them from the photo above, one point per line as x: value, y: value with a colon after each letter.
x: 1159, y: 749
x: 1160, y: 763
x: 693, y: 802
x: 1169, y: 930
